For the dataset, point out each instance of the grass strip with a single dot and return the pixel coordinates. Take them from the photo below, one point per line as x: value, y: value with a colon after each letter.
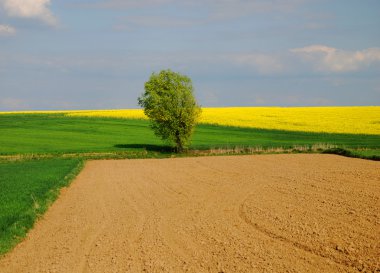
x: 363, y: 154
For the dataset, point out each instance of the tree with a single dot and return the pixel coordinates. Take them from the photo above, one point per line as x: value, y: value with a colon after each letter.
x: 169, y: 103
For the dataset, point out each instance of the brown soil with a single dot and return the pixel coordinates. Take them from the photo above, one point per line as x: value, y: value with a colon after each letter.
x: 269, y: 213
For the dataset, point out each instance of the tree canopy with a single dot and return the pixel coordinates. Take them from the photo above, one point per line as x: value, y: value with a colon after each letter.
x: 169, y: 103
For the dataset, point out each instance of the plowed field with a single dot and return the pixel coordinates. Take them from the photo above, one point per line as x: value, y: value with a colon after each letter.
x: 268, y: 213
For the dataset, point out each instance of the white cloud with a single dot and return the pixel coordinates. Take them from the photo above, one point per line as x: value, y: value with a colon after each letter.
x: 314, y: 48
x: 38, y: 9
x: 324, y: 58
x: 6, y: 30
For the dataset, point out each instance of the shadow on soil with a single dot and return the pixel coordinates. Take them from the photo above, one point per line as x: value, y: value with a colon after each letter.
x: 147, y: 147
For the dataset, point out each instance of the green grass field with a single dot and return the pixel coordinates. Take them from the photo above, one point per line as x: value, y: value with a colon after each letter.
x: 28, y: 186
x: 41, y: 134
x: 27, y: 189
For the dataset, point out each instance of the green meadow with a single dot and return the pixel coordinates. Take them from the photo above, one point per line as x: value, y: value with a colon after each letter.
x: 40, y: 153
x: 27, y: 188
x: 57, y: 134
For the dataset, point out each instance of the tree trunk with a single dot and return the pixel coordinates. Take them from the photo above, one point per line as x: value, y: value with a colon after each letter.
x: 178, y: 142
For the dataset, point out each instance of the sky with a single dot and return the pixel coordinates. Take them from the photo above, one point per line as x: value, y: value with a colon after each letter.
x: 83, y: 54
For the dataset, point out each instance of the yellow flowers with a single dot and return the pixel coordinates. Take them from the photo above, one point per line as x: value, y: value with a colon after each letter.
x: 127, y: 113
x: 352, y: 120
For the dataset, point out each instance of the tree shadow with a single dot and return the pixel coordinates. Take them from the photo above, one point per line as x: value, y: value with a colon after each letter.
x: 147, y: 147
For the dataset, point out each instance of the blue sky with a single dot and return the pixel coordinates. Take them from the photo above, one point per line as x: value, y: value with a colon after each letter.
x: 83, y: 54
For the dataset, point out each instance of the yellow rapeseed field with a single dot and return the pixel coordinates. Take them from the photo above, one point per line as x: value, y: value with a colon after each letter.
x: 126, y: 113
x: 356, y: 120
x: 353, y: 120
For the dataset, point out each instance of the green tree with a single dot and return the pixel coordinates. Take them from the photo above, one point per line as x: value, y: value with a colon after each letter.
x: 169, y: 103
